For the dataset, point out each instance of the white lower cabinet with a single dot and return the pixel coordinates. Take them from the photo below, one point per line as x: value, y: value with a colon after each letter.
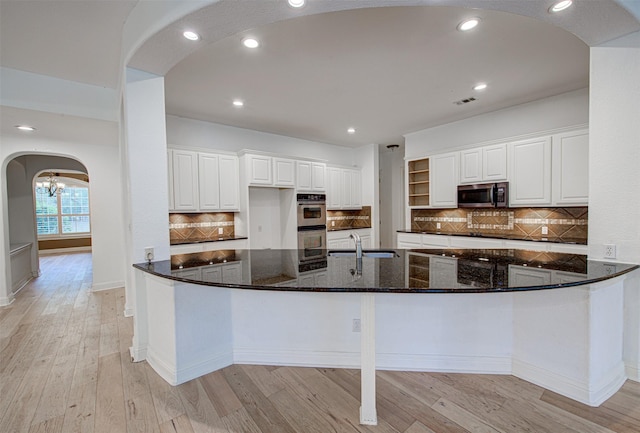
x: 226, y: 273
x: 523, y: 276
x: 341, y: 240
x: 417, y: 241
x: 313, y: 279
x: 443, y: 272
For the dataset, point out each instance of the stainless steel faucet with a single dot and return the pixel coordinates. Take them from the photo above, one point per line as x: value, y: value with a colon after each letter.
x: 356, y: 238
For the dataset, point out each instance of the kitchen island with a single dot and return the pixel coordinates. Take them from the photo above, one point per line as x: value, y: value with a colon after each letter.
x: 552, y: 319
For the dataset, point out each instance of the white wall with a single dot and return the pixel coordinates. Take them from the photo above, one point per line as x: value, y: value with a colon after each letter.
x: 182, y: 132
x: 367, y: 158
x: 95, y: 144
x: 567, y: 109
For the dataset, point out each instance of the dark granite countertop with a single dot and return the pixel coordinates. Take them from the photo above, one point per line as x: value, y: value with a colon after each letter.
x: 498, y: 236
x: 409, y: 271
x: 342, y: 229
x: 200, y: 241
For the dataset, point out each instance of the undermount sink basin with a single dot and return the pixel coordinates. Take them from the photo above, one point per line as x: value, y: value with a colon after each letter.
x: 374, y: 254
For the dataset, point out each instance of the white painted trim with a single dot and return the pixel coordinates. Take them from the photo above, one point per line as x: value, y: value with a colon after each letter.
x: 296, y: 358
x: 576, y: 390
x: 445, y: 363
x: 107, y: 286
x: 138, y: 354
x: 633, y: 372
x: 8, y: 300
x: 175, y: 377
x: 20, y: 284
x: 64, y: 250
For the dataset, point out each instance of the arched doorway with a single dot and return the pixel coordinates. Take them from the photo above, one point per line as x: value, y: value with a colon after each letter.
x: 21, y: 211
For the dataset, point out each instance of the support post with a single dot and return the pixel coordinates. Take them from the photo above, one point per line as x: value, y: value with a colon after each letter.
x: 368, y: 415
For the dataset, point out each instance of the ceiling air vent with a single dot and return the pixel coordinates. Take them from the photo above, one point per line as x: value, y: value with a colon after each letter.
x: 465, y: 101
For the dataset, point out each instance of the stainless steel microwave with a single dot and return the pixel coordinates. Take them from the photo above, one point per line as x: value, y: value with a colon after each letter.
x: 484, y: 195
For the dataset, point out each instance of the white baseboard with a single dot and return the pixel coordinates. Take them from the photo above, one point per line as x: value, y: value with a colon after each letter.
x: 107, y: 286
x: 138, y: 354
x: 633, y: 372
x: 577, y: 390
x: 7, y: 300
x: 175, y: 377
x: 20, y: 285
x: 64, y: 250
x: 390, y: 361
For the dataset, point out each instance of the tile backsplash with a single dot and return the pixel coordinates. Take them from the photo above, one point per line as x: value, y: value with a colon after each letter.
x: 349, y: 219
x: 569, y: 224
x: 200, y: 226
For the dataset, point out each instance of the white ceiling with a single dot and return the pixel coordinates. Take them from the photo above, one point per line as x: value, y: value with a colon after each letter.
x: 386, y: 71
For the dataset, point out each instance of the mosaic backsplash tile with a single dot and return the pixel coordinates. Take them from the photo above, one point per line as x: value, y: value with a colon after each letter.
x: 349, y: 219
x: 200, y: 226
x: 568, y: 224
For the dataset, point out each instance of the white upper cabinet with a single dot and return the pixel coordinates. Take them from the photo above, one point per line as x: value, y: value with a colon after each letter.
x: 284, y: 172
x: 260, y: 170
x: 444, y: 180
x: 344, y: 188
x: 184, y: 175
x: 310, y: 176
x: 270, y: 171
x: 203, y: 181
x: 209, y: 181
x: 483, y: 164
x: 570, y: 168
x: 530, y: 172
x: 229, y: 182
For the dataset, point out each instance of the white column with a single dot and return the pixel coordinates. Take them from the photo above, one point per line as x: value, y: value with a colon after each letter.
x: 368, y: 415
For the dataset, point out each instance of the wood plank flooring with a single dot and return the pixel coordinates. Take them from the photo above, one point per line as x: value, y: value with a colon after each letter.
x: 65, y: 367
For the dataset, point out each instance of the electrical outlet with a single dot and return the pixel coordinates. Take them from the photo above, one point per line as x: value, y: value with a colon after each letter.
x: 610, y: 251
x: 148, y: 253
x: 438, y: 226
x: 220, y: 230
x: 545, y: 230
x: 356, y: 325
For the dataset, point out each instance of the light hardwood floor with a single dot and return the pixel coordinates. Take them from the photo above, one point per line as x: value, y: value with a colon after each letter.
x: 65, y: 367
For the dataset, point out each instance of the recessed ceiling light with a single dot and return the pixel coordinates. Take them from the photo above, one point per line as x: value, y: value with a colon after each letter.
x: 480, y: 86
x: 192, y: 36
x: 296, y: 3
x: 560, y: 6
x: 238, y: 103
x: 469, y: 24
x: 25, y: 128
x: 351, y: 130
x: 250, y: 43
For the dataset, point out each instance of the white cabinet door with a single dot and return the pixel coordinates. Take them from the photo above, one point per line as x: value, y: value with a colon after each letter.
x: 189, y: 274
x: 346, y: 190
x: 356, y: 189
x: 208, y: 182
x: 185, y: 180
x: 318, y: 175
x: 494, y: 163
x: 232, y: 273
x: 409, y: 241
x: 471, y: 166
x: 212, y: 274
x: 333, y: 244
x: 170, y: 172
x: 334, y: 188
x: 435, y: 241
x: 284, y: 172
x: 443, y: 272
x: 571, y: 169
x: 444, y: 180
x: 260, y: 170
x: 303, y: 176
x: 530, y: 171
x: 522, y: 276
x: 229, y: 182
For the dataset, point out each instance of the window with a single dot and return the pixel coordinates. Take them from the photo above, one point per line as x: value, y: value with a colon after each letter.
x: 64, y: 214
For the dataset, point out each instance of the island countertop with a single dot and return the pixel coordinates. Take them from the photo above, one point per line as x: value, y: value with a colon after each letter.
x: 408, y: 271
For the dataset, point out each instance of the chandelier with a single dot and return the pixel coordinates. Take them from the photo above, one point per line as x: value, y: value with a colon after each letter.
x: 51, y: 185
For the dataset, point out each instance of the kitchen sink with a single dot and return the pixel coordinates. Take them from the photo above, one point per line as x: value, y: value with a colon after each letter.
x: 374, y: 254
